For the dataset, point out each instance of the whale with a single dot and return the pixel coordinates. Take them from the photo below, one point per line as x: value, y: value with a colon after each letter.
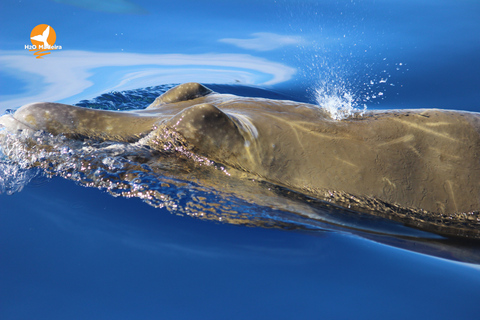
x: 426, y: 160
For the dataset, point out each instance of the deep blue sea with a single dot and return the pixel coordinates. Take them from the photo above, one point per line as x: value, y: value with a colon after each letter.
x: 73, y: 252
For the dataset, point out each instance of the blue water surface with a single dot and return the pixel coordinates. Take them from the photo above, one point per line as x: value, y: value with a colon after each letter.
x: 69, y: 252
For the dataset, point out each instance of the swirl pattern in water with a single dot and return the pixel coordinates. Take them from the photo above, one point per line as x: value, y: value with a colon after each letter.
x: 257, y: 161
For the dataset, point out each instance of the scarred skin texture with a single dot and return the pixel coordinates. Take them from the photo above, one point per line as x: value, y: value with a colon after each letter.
x: 422, y: 159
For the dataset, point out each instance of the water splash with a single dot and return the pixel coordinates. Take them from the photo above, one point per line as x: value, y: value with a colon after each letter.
x: 344, y: 96
x: 337, y: 101
x: 339, y: 92
x: 14, y: 176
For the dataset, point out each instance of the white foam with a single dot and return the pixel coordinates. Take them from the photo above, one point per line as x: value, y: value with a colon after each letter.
x: 13, y: 178
x: 337, y: 101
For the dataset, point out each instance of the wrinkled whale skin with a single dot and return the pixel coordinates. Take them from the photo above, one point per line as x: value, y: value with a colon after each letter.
x: 423, y: 159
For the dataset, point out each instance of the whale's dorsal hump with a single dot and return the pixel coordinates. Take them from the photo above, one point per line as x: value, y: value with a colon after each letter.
x: 210, y: 130
x: 183, y: 92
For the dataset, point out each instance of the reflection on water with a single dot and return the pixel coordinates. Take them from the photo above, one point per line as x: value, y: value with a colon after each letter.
x: 265, y: 41
x: 68, y: 75
x: 108, y: 6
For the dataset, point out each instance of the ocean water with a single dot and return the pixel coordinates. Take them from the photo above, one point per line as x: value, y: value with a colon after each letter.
x: 69, y: 251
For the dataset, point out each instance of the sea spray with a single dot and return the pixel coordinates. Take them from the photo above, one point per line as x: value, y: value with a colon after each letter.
x: 344, y: 96
x: 337, y: 101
